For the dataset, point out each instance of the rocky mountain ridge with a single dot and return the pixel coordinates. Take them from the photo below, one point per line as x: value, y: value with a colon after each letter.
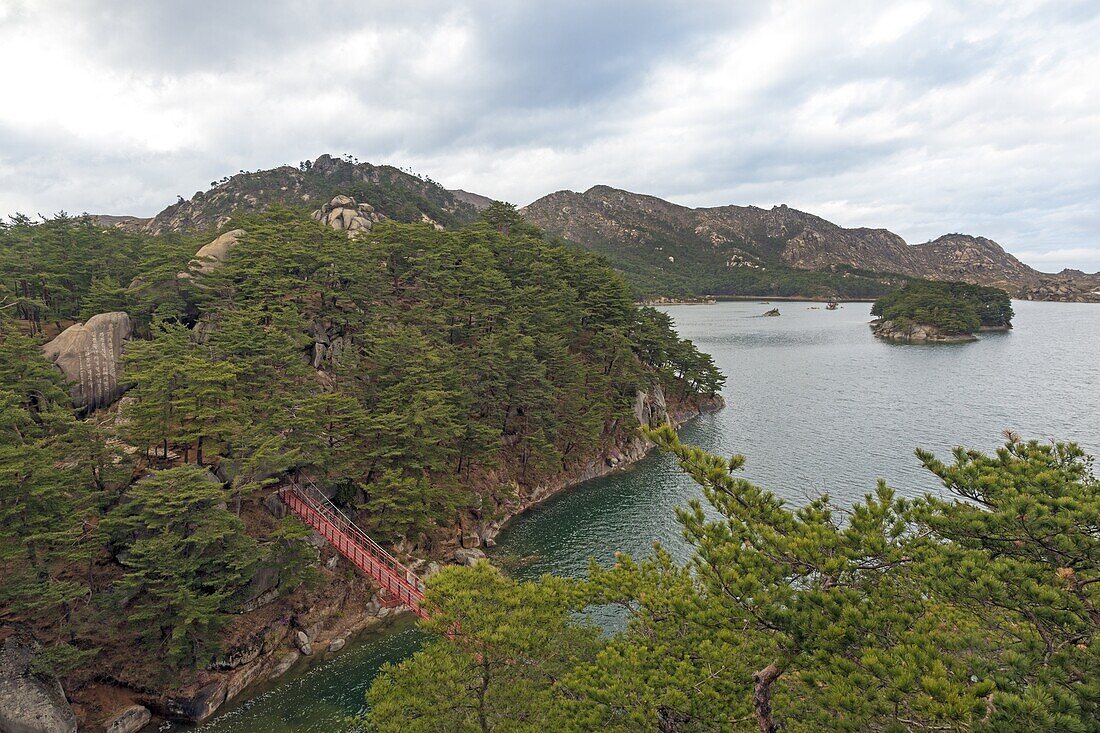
x: 389, y: 191
x: 639, y: 228
x: 723, y: 250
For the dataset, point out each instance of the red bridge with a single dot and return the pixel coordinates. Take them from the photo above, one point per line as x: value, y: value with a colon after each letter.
x: 397, y: 582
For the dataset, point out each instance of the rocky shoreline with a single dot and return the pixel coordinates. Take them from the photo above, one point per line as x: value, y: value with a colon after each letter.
x: 921, y: 333
x: 278, y: 633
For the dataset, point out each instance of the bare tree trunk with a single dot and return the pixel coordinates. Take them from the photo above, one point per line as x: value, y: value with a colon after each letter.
x: 762, y: 697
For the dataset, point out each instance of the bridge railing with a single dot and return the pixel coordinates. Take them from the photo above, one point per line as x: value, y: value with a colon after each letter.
x: 401, y: 582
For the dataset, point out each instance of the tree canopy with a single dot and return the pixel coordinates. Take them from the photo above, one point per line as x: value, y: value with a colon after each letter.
x: 974, y: 611
x: 952, y: 307
x: 424, y: 375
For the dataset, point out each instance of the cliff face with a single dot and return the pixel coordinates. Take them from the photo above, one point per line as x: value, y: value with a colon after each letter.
x: 630, y: 228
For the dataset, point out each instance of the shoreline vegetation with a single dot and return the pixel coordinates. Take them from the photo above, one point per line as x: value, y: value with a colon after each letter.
x: 932, y: 613
x: 940, y: 312
x: 372, y: 629
x: 434, y: 382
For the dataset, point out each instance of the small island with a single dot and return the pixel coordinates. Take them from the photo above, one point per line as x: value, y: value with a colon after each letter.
x: 941, y: 312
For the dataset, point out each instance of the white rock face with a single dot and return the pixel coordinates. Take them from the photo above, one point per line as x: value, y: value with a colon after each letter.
x: 88, y: 355
x: 344, y: 214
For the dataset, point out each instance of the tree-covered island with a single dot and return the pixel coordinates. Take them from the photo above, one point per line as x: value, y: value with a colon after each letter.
x: 928, y: 311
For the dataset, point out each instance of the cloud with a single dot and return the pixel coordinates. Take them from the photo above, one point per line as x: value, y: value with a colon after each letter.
x: 923, y: 117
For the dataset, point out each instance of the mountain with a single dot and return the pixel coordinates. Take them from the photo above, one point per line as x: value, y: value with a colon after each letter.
x: 476, y: 200
x: 392, y: 192
x: 668, y: 249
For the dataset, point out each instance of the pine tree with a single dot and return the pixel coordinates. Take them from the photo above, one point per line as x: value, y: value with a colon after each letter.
x: 187, y: 560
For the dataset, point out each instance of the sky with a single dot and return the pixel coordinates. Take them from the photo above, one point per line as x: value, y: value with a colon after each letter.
x: 922, y: 117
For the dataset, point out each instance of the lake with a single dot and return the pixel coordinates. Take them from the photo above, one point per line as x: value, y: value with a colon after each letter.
x: 816, y: 404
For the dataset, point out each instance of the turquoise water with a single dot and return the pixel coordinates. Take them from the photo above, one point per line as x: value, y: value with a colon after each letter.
x: 817, y: 405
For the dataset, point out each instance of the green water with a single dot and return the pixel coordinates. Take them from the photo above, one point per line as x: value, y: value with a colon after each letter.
x: 816, y: 404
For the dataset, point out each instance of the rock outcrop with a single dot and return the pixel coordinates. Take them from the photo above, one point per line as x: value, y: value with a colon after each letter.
x: 30, y: 703
x: 309, y: 184
x: 917, y: 333
x: 343, y: 213
x: 88, y: 355
x: 213, y: 253
x: 129, y: 720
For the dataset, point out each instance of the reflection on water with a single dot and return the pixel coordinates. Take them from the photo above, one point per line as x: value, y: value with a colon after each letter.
x: 817, y: 405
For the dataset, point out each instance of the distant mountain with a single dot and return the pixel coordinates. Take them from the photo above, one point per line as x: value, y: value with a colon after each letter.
x: 668, y: 249
x: 393, y: 193
x: 476, y: 200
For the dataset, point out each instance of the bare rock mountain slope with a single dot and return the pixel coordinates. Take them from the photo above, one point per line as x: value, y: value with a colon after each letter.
x: 645, y: 234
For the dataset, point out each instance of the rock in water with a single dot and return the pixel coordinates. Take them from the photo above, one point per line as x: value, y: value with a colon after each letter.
x: 29, y: 703
x: 88, y: 355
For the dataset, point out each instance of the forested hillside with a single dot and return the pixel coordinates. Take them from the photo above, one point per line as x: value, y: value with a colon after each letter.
x: 432, y: 381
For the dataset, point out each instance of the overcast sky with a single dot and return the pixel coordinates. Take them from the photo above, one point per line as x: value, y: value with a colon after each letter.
x: 921, y: 117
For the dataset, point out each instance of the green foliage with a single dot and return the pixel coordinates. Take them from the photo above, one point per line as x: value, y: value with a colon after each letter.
x: 444, y: 352
x: 187, y: 560
x: 424, y: 372
x: 67, y: 268
x: 42, y: 497
x: 508, y: 643
x: 973, y: 613
x: 950, y: 306
x: 1022, y: 554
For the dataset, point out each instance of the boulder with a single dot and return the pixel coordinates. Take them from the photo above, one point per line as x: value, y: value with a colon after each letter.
x: 468, y: 556
x: 337, y: 645
x: 343, y: 213
x: 30, y: 703
x: 284, y: 664
x: 213, y: 253
x: 130, y: 720
x: 88, y: 355
x: 302, y: 640
x: 650, y: 407
x: 275, y: 505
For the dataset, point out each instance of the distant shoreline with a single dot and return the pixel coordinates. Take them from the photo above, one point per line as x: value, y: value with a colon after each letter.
x: 715, y: 299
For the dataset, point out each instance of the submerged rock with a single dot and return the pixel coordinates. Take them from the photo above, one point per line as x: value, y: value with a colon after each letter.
x: 88, y: 355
